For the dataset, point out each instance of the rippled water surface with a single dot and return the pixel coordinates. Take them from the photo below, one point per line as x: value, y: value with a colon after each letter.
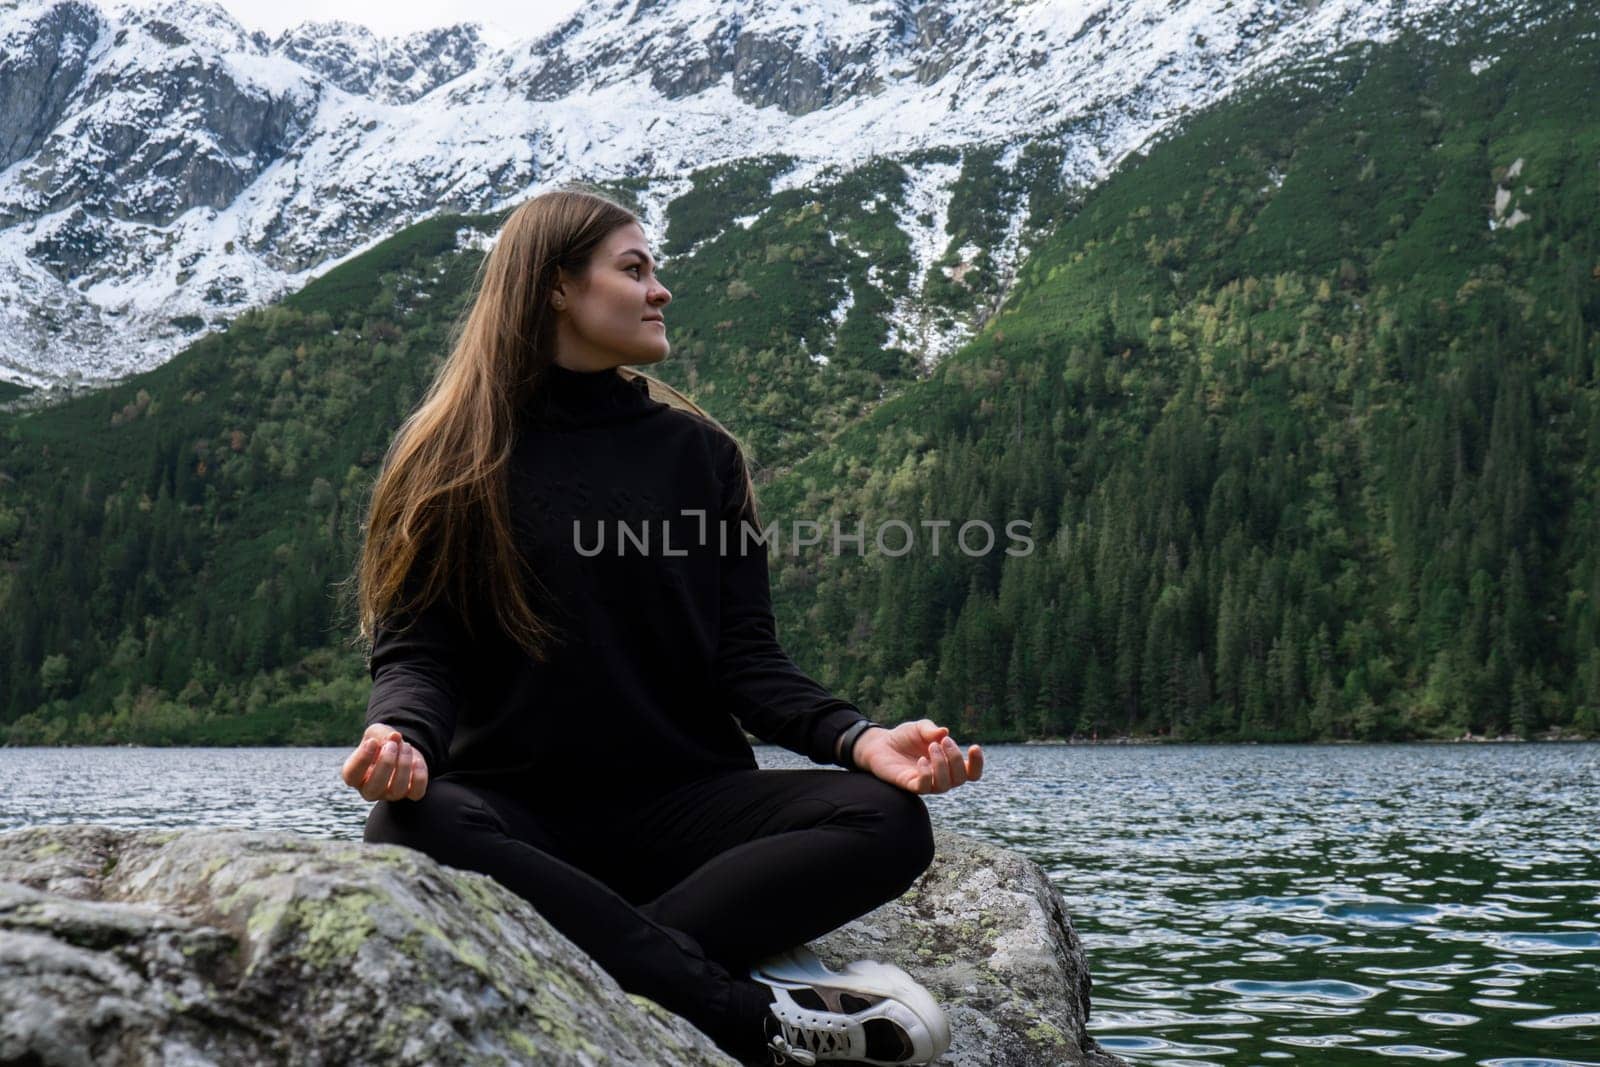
x: 1239, y: 904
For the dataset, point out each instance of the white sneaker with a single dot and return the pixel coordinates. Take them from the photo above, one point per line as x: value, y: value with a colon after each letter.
x: 871, y: 1012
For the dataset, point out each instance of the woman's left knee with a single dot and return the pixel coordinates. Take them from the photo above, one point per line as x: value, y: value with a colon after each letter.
x: 918, y: 831
x: 905, y: 832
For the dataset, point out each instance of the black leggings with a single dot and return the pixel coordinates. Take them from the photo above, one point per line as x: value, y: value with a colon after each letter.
x: 677, y: 896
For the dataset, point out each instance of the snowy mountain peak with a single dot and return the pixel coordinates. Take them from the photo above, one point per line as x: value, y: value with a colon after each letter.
x: 391, y: 69
x: 161, y: 169
x: 176, y: 23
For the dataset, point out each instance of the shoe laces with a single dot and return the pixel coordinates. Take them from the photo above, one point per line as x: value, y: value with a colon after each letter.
x: 802, y: 1043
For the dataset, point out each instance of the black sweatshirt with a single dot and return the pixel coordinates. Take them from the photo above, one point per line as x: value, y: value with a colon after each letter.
x: 664, y: 646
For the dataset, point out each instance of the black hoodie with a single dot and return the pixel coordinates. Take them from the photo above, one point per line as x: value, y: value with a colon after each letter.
x: 667, y: 648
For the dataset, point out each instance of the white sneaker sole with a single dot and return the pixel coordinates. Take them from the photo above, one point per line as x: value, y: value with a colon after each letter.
x: 800, y: 968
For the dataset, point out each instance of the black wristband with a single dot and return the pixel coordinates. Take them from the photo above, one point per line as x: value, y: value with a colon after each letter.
x: 850, y: 736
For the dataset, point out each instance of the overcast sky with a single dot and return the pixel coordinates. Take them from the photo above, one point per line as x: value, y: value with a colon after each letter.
x: 503, y: 20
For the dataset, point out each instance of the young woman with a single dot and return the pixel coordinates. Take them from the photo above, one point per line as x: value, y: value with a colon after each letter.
x: 570, y: 622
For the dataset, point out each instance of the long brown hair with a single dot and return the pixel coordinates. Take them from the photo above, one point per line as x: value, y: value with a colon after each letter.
x: 438, y: 521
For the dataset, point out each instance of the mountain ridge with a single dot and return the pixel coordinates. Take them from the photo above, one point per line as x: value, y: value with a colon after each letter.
x: 176, y: 169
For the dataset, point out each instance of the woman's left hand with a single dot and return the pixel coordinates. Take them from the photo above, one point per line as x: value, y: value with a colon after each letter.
x: 919, y: 757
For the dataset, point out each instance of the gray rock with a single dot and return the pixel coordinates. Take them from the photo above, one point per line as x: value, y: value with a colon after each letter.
x: 238, y: 947
x: 989, y: 935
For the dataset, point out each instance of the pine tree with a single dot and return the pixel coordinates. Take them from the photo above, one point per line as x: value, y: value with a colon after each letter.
x: 1098, y: 700
x: 1230, y: 645
x: 1017, y: 701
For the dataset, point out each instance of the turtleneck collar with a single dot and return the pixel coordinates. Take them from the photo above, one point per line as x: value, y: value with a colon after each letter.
x: 566, y: 397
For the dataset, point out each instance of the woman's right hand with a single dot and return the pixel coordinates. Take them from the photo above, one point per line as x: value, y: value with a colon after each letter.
x: 385, y: 767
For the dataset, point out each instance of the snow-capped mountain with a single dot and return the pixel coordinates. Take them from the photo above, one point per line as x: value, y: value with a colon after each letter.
x: 162, y: 168
x: 399, y: 71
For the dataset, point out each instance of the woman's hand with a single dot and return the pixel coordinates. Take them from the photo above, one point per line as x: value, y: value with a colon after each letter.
x: 385, y: 767
x: 919, y: 757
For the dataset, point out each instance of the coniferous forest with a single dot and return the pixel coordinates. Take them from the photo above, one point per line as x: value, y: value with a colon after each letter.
x: 1301, y: 405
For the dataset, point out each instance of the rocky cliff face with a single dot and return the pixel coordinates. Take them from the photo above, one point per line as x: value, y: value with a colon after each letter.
x: 153, y: 115
x: 162, y: 168
x: 223, y: 946
x: 41, y: 62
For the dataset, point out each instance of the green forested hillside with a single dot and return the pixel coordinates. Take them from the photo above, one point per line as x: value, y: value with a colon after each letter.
x: 1308, y: 446
x: 1311, y: 448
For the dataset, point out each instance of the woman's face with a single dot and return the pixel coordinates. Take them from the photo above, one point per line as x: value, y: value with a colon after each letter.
x: 613, y: 316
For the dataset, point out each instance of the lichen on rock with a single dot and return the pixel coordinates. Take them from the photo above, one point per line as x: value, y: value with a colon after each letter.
x: 293, y: 949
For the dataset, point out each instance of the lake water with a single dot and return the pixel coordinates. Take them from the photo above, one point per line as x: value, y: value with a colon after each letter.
x: 1307, y: 904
